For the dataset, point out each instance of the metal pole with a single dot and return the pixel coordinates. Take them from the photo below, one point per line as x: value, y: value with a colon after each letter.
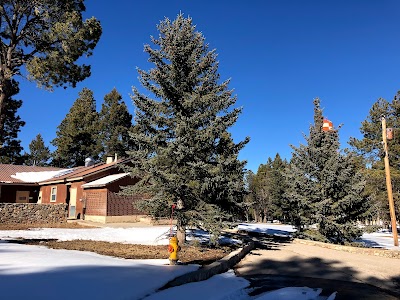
x: 389, y: 184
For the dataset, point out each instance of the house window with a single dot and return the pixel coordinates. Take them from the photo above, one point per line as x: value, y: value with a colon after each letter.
x: 53, y: 194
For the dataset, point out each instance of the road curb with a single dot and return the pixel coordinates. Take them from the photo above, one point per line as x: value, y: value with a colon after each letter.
x: 217, y: 267
x: 361, y: 250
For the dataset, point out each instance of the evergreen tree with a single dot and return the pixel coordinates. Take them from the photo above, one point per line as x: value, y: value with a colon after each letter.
x: 250, y: 198
x: 78, y: 134
x: 278, y: 183
x: 263, y: 193
x: 39, y: 154
x: 185, y: 154
x: 115, y: 124
x: 369, y: 149
x: 324, y: 187
x: 370, y: 146
x: 10, y: 145
x: 266, y: 189
x: 45, y: 40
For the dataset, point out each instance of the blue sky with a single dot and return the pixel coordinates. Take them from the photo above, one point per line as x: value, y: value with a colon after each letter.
x: 279, y: 55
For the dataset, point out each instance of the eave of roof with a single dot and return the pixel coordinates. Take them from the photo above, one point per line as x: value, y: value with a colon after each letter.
x: 102, y: 182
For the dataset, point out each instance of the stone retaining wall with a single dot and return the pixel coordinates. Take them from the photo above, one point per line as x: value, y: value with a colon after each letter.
x: 32, y: 213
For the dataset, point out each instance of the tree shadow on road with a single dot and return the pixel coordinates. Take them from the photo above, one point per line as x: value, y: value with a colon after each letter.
x: 331, y: 275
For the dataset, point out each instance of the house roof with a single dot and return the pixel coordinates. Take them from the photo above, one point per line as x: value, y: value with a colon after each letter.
x: 81, y: 172
x: 105, y: 180
x: 8, y: 173
x: 16, y: 174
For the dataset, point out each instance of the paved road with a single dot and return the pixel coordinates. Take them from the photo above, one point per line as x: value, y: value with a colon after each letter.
x: 353, y: 275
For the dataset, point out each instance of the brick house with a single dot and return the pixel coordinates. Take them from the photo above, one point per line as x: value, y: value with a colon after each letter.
x: 16, y: 187
x: 91, y: 192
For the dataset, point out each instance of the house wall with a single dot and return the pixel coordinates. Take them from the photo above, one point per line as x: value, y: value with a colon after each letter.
x: 79, y: 197
x: 118, y: 205
x: 96, y: 202
x: 61, y: 193
x: 106, y: 205
x: 115, y: 186
x: 8, y: 193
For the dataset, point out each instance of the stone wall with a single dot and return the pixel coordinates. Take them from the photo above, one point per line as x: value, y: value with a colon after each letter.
x: 32, y: 213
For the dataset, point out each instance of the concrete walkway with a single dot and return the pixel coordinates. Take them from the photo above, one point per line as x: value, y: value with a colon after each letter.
x: 353, y: 275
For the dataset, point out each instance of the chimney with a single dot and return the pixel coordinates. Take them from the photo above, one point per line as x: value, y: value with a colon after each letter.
x: 109, y: 160
x: 89, y: 162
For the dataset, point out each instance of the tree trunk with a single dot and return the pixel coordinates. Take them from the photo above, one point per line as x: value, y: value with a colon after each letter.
x: 181, y: 234
x: 255, y: 215
x: 5, y: 93
x: 2, y: 115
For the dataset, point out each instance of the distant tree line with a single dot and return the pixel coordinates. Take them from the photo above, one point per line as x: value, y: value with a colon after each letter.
x: 327, y: 188
x: 83, y: 133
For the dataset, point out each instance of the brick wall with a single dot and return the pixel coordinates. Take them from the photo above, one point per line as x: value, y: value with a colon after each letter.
x: 118, y: 205
x: 96, y: 202
x: 32, y: 213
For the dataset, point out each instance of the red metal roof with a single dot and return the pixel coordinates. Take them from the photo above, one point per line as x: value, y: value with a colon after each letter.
x: 7, y: 170
x: 81, y: 172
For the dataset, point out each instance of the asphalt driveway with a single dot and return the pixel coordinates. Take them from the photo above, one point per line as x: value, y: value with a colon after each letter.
x: 353, y: 275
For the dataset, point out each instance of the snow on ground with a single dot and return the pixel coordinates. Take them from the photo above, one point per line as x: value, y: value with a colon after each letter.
x: 156, y: 235
x: 219, y: 287
x: 36, y: 272
x: 270, y: 229
x: 381, y: 239
x: 65, y: 274
x: 295, y: 293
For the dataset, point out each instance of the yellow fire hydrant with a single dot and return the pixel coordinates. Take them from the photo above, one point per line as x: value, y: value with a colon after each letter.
x: 173, y: 249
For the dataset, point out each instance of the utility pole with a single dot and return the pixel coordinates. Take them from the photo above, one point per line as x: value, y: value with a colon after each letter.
x: 389, y: 184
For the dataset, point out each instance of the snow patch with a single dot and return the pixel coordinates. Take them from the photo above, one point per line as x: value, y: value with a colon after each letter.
x: 40, y: 176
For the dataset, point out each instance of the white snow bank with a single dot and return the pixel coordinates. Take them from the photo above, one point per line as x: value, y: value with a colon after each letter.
x: 270, y: 229
x: 219, y: 287
x: 35, y: 272
x: 294, y: 293
x: 156, y: 235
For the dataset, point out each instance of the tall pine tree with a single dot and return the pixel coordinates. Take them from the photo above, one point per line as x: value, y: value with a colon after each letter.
x: 115, y: 125
x: 278, y: 183
x: 39, y: 154
x: 324, y: 187
x: 266, y: 190
x: 10, y: 145
x: 78, y: 134
x: 185, y: 154
x: 369, y: 148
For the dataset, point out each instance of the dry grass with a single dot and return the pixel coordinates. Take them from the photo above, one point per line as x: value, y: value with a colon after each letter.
x: 189, y: 254
x: 46, y: 225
